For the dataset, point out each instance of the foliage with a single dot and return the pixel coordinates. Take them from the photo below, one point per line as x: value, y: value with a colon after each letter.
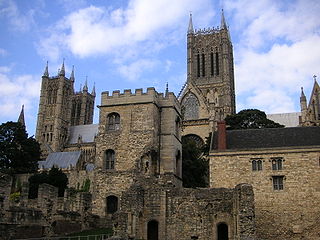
x: 15, y: 197
x: 85, y: 186
x: 18, y: 152
x: 195, y: 166
x: 54, y: 177
x: 250, y: 119
x: 97, y: 231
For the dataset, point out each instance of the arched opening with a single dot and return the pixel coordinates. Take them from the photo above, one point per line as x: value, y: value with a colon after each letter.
x: 193, y: 138
x: 110, y: 159
x: 153, y: 230
x: 112, y: 204
x: 113, y: 122
x: 178, y: 163
x: 222, y: 231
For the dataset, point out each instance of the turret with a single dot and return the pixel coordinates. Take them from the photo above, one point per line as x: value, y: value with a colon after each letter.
x: 190, y: 28
x: 46, y: 71
x: 223, y: 24
x: 93, y: 93
x: 72, y: 75
x: 303, y: 106
x: 21, y: 117
x: 85, y: 87
x: 62, y: 72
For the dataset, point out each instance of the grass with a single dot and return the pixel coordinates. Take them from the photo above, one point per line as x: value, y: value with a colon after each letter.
x: 84, y: 234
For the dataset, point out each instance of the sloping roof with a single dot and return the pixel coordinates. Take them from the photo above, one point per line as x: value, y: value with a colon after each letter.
x: 286, y: 119
x: 60, y: 160
x: 271, y: 137
x: 87, y: 132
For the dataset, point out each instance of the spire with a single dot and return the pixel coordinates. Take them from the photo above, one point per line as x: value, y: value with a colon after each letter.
x: 21, y: 117
x: 93, y: 93
x: 190, y: 28
x: 62, y: 71
x: 85, y: 87
x: 72, y: 74
x: 167, y: 89
x: 46, y: 71
x: 302, y: 96
x: 223, y: 24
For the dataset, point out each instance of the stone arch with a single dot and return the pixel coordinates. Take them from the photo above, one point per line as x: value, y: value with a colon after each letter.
x: 222, y: 231
x: 195, y: 138
x: 190, y: 104
x: 153, y: 230
x: 113, y: 121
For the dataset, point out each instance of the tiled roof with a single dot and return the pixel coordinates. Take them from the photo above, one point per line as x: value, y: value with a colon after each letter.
x: 271, y: 137
x: 61, y: 160
x: 87, y: 132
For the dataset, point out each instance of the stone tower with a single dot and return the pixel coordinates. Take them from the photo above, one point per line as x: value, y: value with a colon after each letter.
x: 208, y: 95
x: 310, y: 115
x: 82, y: 106
x: 56, y: 108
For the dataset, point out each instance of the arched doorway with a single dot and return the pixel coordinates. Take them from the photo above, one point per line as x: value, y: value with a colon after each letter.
x: 223, y: 231
x: 153, y: 230
x: 112, y: 204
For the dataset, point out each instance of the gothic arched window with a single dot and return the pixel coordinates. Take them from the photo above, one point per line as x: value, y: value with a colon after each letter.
x: 110, y: 159
x: 113, y: 121
x: 190, y: 105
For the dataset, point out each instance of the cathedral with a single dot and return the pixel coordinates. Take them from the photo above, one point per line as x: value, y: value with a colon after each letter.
x: 263, y: 182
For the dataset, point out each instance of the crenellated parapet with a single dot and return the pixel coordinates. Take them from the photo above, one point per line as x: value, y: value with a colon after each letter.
x: 127, y: 97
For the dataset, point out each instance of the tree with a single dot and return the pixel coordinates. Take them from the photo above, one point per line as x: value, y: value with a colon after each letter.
x: 194, y: 165
x: 54, y: 177
x: 18, y: 152
x: 250, y: 119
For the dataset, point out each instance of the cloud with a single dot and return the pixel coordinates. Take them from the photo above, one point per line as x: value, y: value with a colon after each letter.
x: 134, y: 70
x: 277, y: 52
x: 19, y: 21
x: 3, y: 52
x: 24, y: 89
x: 96, y: 30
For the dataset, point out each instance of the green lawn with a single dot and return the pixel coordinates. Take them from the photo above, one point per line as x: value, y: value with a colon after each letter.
x: 84, y: 234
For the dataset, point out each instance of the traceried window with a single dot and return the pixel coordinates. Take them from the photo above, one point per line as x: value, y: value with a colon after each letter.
x: 277, y: 182
x: 276, y: 163
x: 191, y: 107
x: 113, y: 122
x: 110, y: 159
x: 256, y: 164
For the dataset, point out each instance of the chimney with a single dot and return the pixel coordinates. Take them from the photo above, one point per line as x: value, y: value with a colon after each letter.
x: 222, y: 136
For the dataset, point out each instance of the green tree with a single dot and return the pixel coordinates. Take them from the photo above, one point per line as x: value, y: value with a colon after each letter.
x: 250, y: 119
x: 54, y: 177
x: 18, y: 152
x: 194, y: 165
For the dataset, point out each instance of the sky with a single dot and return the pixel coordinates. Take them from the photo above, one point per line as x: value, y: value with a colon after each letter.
x: 118, y: 44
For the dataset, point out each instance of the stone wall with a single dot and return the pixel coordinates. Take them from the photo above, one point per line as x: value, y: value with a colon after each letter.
x: 291, y: 213
x: 47, y: 215
x: 185, y: 213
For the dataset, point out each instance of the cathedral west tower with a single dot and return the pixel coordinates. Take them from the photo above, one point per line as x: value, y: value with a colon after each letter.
x: 61, y: 107
x: 208, y: 95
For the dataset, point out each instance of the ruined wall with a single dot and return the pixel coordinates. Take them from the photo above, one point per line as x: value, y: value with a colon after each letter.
x: 290, y: 213
x: 185, y: 213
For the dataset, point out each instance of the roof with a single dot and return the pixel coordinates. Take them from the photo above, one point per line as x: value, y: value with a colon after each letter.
x: 61, y: 160
x: 271, y: 138
x: 87, y: 133
x: 286, y: 119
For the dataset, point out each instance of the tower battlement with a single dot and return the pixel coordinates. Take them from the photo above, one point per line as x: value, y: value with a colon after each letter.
x: 137, y: 97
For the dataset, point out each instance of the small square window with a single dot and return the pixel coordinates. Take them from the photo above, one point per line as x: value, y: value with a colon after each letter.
x: 277, y: 182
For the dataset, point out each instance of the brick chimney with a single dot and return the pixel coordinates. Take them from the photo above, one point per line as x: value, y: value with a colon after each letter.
x: 222, y: 136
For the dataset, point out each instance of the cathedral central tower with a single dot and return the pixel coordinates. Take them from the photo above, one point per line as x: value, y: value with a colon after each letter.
x: 208, y: 95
